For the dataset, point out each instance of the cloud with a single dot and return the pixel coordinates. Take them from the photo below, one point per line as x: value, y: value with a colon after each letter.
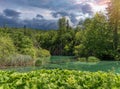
x: 59, y: 14
x: 11, y: 13
x: 39, y: 16
x: 41, y: 24
x: 86, y: 8
x: 102, y: 2
x: 49, y: 4
x: 44, y: 14
x: 4, y: 20
x: 33, y: 23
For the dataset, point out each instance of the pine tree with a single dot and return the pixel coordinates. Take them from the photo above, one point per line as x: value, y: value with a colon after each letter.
x: 114, y: 20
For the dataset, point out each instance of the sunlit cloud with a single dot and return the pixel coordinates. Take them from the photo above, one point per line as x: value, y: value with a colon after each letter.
x: 102, y: 2
x: 34, y: 12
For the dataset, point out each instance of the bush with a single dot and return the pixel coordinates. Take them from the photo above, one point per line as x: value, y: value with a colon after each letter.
x: 19, y: 60
x: 83, y: 59
x: 29, y: 51
x: 117, y: 57
x: 42, y: 61
x: 89, y: 59
x: 79, y: 50
x: 43, y: 53
x: 93, y: 59
x: 24, y: 44
x: 112, y: 55
x: 6, y: 47
x: 38, y: 62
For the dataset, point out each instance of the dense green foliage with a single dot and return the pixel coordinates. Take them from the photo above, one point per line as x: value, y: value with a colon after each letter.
x: 114, y: 20
x: 92, y: 38
x: 89, y: 59
x: 6, y: 47
x: 42, y: 61
x: 18, y: 47
x: 97, y: 36
x: 59, y: 79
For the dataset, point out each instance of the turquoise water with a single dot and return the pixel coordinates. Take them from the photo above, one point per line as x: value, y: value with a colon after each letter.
x: 67, y: 62
x: 61, y: 59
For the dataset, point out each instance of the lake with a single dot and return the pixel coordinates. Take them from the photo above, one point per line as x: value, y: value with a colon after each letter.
x: 68, y: 62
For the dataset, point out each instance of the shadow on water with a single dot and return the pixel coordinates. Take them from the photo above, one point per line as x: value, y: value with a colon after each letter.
x: 67, y: 62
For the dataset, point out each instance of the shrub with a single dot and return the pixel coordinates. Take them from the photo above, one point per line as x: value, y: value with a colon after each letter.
x: 83, y: 59
x: 93, y: 59
x: 117, y: 57
x: 79, y: 50
x: 42, y: 61
x: 43, y: 53
x: 38, y: 62
x: 24, y: 45
x: 19, y: 60
x: 7, y: 48
x: 29, y: 51
x: 89, y: 59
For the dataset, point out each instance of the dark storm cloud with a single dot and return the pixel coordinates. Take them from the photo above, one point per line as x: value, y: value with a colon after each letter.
x: 63, y: 7
x: 58, y: 14
x: 55, y: 5
x: 39, y: 16
x: 4, y: 20
x: 73, y: 18
x: 63, y: 14
x: 48, y: 4
x: 58, y: 8
x: 11, y: 13
x: 34, y: 23
x: 41, y: 24
x: 86, y: 8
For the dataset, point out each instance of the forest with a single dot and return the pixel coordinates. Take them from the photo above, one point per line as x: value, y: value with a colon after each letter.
x: 97, y: 36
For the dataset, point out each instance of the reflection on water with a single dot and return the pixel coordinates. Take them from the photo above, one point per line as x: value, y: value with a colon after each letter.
x: 61, y: 59
x: 67, y: 62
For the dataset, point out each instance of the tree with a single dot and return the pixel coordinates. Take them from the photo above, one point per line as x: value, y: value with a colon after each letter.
x: 114, y: 20
x: 7, y: 47
x: 62, y: 24
x: 23, y: 44
x: 96, y: 38
x: 26, y: 46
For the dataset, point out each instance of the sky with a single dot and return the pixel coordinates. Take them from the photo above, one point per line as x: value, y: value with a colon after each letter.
x: 44, y: 14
